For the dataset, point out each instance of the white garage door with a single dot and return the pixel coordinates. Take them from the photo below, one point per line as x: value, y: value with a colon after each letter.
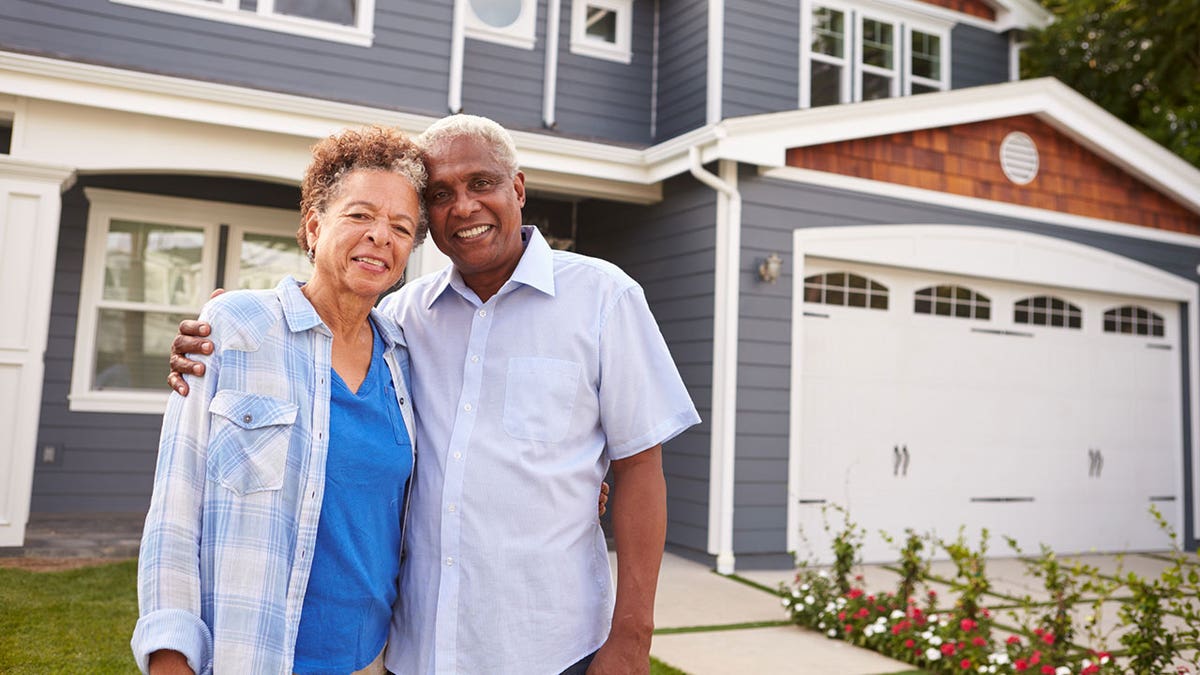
x: 932, y: 401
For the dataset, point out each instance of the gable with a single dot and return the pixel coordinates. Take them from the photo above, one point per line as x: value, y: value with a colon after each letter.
x: 963, y: 159
x: 977, y: 8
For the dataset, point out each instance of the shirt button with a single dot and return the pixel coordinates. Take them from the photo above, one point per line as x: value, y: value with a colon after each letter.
x: 450, y: 562
x: 401, y: 400
x: 467, y: 407
x: 452, y: 508
x: 247, y: 418
x: 458, y: 455
x: 483, y: 312
x: 475, y: 359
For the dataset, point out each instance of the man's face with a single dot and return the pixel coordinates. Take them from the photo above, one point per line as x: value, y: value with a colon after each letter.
x: 475, y: 213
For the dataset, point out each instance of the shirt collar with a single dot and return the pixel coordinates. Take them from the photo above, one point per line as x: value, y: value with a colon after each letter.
x: 301, y: 315
x: 535, y: 269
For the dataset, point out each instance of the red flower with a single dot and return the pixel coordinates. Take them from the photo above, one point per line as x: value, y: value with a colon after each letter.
x: 841, y: 616
x: 978, y: 641
x: 849, y: 629
x: 1036, y: 658
x: 855, y: 593
x: 1012, y: 640
x: 909, y: 643
x: 870, y: 599
x: 985, y: 612
x: 966, y: 664
x: 1048, y: 638
x: 948, y: 648
x: 1021, y: 665
x: 1090, y: 670
x: 861, y: 613
x: 967, y: 625
x: 932, y: 593
x: 1038, y: 631
x: 1047, y: 670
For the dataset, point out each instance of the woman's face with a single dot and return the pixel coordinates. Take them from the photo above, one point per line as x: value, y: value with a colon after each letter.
x: 365, y: 235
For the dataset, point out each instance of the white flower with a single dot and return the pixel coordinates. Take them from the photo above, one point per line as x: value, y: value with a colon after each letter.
x: 808, y: 599
x: 1062, y: 670
x: 896, y: 614
x: 821, y: 625
x: 869, y: 631
x: 795, y: 593
x: 933, y: 654
x: 805, y: 587
x: 832, y: 633
x: 936, y: 640
x: 823, y: 574
x: 1000, y: 658
x: 841, y: 602
x: 786, y: 602
x: 933, y: 618
x: 1104, y: 660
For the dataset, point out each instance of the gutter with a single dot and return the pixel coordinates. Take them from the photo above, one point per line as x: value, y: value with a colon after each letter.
x: 457, y: 39
x: 725, y: 351
x: 550, y: 81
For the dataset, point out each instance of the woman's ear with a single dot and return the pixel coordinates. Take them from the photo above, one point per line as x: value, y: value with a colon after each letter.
x: 312, y: 228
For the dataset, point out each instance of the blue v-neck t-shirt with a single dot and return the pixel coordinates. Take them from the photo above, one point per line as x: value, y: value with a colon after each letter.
x: 356, y: 560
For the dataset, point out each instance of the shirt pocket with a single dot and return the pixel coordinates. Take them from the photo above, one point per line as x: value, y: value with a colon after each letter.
x: 539, y: 397
x: 249, y: 439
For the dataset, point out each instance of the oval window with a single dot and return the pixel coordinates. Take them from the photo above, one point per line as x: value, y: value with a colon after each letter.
x: 497, y: 13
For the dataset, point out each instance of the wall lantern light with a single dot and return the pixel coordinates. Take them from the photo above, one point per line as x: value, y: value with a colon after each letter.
x: 769, y: 268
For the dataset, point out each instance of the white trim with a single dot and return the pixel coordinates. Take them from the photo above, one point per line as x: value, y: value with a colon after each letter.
x: 106, y: 205
x: 521, y: 33
x: 583, y: 44
x: 550, y: 76
x: 726, y: 283
x: 983, y: 252
x: 1014, y: 57
x: 457, y: 46
x: 715, y: 62
x: 944, y: 65
x: 978, y: 205
x: 361, y: 34
x: 862, y: 69
x: 654, y: 71
x: 845, y: 61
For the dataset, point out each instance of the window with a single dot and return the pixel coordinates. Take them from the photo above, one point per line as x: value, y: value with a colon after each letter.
x: 6, y: 132
x: 601, y: 28
x: 850, y: 55
x: 1047, y: 310
x: 950, y: 300
x: 844, y: 288
x: 350, y: 21
x: 507, y: 22
x: 150, y: 262
x: 1133, y: 320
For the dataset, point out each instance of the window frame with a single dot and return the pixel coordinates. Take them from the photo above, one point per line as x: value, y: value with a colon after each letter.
x: 975, y: 302
x: 903, y: 23
x: 620, y: 51
x: 107, y: 205
x: 521, y: 33
x: 264, y: 17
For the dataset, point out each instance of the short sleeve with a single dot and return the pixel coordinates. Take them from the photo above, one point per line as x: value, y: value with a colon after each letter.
x: 643, y: 401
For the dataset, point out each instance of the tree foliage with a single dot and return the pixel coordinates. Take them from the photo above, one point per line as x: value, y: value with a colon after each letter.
x: 1138, y: 59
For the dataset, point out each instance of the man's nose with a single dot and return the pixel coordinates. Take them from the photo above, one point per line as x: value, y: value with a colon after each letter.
x: 464, y: 204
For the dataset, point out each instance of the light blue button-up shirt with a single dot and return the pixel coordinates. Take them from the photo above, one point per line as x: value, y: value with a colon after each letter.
x: 227, y: 547
x: 523, y: 401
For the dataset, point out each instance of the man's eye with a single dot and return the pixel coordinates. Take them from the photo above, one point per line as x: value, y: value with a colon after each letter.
x: 481, y: 184
x: 439, y: 196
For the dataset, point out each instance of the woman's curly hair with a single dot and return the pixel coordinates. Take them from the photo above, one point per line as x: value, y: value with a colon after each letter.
x: 373, y: 147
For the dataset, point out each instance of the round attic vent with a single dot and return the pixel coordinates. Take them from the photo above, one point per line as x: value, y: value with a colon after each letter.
x: 1019, y: 158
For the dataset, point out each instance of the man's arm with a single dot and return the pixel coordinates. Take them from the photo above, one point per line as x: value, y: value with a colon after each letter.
x: 640, y: 529
x: 190, y: 340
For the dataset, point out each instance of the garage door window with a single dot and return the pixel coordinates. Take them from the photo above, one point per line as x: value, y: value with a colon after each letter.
x: 1133, y: 320
x: 1047, y: 310
x: 950, y: 300
x: 844, y: 288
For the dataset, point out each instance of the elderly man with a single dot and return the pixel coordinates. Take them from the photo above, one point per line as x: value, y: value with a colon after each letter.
x: 532, y: 370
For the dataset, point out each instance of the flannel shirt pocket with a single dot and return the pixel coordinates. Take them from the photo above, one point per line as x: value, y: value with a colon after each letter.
x: 249, y: 440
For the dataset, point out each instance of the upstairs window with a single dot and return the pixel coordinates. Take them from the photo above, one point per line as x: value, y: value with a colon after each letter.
x: 846, y: 289
x: 950, y: 300
x: 1047, y: 310
x: 506, y: 22
x: 350, y: 21
x: 602, y: 28
x: 1133, y: 320
x: 848, y: 54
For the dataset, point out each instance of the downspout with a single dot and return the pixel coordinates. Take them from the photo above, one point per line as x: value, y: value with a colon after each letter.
x: 716, y: 60
x: 550, y: 83
x: 725, y: 350
x: 454, y: 100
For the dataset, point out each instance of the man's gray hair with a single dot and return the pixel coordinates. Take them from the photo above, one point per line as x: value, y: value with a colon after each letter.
x: 444, y: 131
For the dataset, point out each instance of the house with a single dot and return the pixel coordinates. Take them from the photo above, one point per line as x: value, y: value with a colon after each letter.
x: 894, y: 277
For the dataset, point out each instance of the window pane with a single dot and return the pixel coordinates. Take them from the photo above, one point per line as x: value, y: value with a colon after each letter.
x: 266, y: 259
x: 826, y: 84
x: 333, y: 11
x: 829, y: 32
x: 159, y: 264
x: 131, y: 348
x: 497, y: 13
x: 923, y: 89
x: 602, y: 24
x: 876, y: 87
x: 926, y: 55
x: 878, y: 43
x: 857, y: 299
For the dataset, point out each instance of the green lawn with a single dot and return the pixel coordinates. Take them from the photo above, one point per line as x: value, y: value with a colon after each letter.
x: 80, y: 621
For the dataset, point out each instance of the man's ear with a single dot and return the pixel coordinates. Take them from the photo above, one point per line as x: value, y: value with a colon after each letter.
x: 519, y: 187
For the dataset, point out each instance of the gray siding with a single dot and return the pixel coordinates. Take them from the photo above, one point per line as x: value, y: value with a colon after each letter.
x: 669, y: 249
x: 762, y: 55
x: 772, y: 209
x: 106, y: 461
x: 406, y: 68
x: 682, y: 67
x: 977, y: 57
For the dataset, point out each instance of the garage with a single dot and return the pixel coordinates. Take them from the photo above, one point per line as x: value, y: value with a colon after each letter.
x: 985, y: 379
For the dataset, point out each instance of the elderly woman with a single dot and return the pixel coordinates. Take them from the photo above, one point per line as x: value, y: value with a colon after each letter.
x: 273, y: 539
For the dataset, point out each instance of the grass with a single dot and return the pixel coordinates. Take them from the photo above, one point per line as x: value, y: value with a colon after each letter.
x: 80, y: 621
x: 77, y: 621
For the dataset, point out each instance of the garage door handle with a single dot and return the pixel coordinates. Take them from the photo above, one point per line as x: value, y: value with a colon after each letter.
x: 1095, y: 462
x: 899, y: 460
